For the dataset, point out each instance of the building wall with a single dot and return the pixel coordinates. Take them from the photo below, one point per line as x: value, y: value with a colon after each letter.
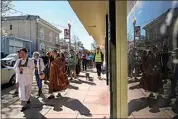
x: 30, y: 30
x: 22, y: 28
x: 48, y: 40
x: 10, y: 45
x: 5, y: 46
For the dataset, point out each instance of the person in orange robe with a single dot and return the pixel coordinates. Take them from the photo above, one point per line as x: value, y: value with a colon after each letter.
x: 57, y: 79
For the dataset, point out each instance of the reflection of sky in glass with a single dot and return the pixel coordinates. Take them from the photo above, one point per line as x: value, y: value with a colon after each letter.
x: 145, y: 12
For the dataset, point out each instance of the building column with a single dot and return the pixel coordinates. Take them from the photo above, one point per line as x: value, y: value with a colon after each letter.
x: 121, y: 56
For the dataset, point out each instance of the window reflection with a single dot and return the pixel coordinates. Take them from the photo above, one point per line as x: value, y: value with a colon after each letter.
x: 152, y: 28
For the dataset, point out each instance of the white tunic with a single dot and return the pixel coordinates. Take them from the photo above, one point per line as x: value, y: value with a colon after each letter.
x: 25, y: 80
x: 40, y: 63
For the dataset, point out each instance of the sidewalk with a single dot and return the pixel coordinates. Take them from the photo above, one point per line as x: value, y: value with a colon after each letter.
x: 83, y: 99
x: 142, y: 107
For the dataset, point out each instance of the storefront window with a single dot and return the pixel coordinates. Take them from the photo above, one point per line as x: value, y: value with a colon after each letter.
x: 152, y: 74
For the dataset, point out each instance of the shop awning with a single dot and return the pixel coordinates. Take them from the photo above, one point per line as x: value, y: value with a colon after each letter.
x: 92, y: 14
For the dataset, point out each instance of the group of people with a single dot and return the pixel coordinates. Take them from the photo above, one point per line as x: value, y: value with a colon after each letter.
x: 53, y: 68
x: 154, y: 65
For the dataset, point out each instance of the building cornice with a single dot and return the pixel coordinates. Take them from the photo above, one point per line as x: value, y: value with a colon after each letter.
x: 48, y: 25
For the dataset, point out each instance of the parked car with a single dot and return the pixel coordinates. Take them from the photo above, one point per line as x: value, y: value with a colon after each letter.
x: 9, y: 60
x: 7, y: 75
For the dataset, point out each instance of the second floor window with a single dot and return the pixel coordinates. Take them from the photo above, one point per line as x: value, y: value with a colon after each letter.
x: 57, y: 40
x: 10, y: 27
x: 41, y: 34
x: 50, y: 37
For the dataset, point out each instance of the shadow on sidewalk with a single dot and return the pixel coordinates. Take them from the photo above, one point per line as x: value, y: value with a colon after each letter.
x: 72, y: 87
x: 34, y: 111
x: 71, y: 103
x: 141, y: 103
x: 138, y: 86
x: 82, y: 81
x: 175, y: 117
x: 133, y: 80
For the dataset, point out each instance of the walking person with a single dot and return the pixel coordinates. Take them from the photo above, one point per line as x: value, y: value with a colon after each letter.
x: 78, y: 64
x: 50, y: 59
x: 91, y: 59
x: 98, y: 58
x: 175, y: 75
x: 39, y: 68
x: 24, y: 68
x: 84, y: 61
x: 57, y: 78
x: 46, y: 70
x: 72, y: 61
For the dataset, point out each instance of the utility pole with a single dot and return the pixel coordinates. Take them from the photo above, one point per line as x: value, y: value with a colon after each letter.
x: 134, y: 23
x: 69, y: 25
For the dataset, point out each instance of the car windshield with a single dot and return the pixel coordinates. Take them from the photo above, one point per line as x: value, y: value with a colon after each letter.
x: 11, y: 55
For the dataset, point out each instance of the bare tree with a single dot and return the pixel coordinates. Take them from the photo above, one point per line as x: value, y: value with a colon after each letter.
x: 5, y: 7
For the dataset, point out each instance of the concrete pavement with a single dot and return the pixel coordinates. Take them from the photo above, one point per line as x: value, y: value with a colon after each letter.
x: 82, y: 99
x: 140, y: 106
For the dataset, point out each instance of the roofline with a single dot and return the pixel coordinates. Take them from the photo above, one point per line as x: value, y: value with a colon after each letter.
x: 33, y: 17
x: 157, y: 18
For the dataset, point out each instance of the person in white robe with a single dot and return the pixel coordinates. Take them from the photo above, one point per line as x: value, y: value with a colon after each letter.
x: 24, y: 68
x: 16, y: 92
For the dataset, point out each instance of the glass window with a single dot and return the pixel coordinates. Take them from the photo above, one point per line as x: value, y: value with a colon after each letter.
x: 42, y: 34
x: 152, y: 63
x: 57, y: 40
x: 50, y: 36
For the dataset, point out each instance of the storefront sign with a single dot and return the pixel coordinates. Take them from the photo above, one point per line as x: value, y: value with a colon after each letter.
x: 137, y: 31
x: 66, y: 33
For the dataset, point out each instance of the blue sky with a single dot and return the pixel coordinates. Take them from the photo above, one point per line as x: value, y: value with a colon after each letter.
x: 145, y: 12
x: 57, y: 12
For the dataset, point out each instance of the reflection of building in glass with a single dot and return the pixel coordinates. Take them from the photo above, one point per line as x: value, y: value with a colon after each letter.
x: 153, y: 30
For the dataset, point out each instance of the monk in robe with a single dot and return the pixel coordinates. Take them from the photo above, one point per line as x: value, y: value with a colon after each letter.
x: 143, y: 81
x: 57, y: 79
x: 24, y: 68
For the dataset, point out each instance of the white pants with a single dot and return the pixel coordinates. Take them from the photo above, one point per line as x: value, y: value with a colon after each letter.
x: 25, y: 92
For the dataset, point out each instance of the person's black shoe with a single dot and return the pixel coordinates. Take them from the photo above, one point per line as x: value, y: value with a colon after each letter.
x: 16, y: 93
x: 28, y: 102
x: 23, y: 109
x: 151, y: 95
x: 58, y: 95
x: 51, y: 97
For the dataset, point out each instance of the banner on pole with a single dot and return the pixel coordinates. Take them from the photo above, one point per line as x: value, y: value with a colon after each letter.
x: 137, y: 31
x: 66, y: 33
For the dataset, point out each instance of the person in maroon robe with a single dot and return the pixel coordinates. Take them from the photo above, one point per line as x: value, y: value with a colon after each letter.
x: 57, y: 78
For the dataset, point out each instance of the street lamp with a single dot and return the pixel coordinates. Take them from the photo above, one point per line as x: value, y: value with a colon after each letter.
x: 134, y: 23
x: 69, y: 25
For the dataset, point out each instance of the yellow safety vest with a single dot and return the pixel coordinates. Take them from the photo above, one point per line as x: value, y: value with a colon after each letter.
x: 98, y: 57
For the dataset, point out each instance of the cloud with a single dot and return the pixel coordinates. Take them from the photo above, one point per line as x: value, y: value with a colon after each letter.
x: 139, y: 12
